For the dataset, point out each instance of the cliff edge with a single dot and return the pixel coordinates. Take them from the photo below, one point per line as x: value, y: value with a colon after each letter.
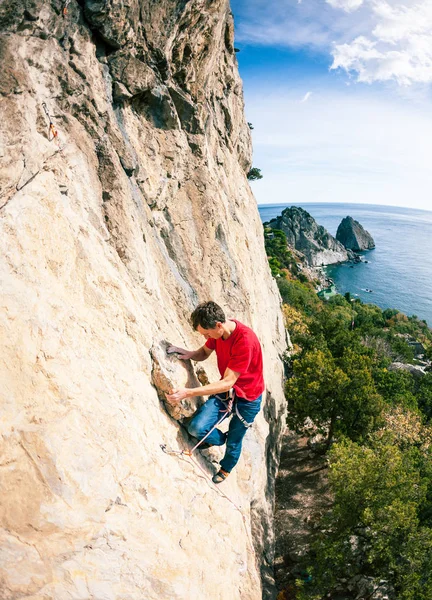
x: 124, y: 202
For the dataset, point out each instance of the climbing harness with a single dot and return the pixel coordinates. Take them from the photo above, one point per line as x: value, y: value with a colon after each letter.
x: 243, y: 420
x: 232, y: 403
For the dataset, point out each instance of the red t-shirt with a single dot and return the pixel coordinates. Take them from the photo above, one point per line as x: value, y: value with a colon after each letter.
x: 241, y: 352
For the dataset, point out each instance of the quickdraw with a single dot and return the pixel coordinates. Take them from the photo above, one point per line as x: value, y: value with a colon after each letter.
x: 52, y: 131
x: 64, y: 40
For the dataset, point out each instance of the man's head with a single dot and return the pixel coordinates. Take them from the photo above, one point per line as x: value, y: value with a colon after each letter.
x: 208, y: 319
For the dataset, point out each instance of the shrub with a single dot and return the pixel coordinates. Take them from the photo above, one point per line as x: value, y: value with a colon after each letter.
x: 254, y: 174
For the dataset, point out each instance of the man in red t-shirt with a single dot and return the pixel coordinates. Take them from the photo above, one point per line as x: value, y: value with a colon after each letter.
x: 240, y: 364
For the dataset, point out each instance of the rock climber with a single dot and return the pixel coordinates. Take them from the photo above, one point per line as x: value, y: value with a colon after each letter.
x: 239, y: 359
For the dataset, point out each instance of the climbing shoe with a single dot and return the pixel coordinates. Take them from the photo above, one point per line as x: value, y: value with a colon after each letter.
x: 204, y: 446
x: 220, y: 476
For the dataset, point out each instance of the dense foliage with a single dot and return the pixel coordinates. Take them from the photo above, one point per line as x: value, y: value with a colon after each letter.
x: 379, y: 524
x: 280, y: 257
x: 376, y: 426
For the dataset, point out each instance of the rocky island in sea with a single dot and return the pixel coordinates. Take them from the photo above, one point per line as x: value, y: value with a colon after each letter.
x: 314, y: 244
x: 304, y: 234
x: 353, y: 236
x: 313, y: 247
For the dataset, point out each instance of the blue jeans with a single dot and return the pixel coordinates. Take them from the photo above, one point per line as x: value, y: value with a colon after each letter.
x: 210, y: 413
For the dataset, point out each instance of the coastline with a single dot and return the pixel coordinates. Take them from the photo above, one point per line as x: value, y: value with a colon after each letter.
x: 398, y: 269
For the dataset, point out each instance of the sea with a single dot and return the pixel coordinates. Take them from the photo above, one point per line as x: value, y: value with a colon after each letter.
x: 399, y: 269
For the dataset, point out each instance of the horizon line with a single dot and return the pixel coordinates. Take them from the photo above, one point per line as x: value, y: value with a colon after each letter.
x: 323, y: 202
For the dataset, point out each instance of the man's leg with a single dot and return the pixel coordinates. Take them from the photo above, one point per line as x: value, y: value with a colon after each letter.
x: 237, y: 431
x: 205, y: 418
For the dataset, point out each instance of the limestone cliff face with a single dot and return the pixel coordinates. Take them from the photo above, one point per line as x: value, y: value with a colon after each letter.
x: 114, y: 223
x: 305, y: 235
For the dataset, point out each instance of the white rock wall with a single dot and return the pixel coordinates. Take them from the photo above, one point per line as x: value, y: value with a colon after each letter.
x: 109, y: 237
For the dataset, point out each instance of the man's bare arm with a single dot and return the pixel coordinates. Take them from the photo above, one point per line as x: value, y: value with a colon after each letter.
x: 198, y: 355
x: 225, y: 384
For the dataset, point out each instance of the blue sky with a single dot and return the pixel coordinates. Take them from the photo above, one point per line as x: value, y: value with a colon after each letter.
x: 339, y: 94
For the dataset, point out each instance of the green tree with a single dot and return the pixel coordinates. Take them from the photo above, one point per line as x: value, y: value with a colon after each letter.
x: 396, y: 387
x: 361, y: 404
x: 368, y: 317
x: 275, y: 267
x: 338, y: 395
x: 333, y: 322
x: 254, y: 174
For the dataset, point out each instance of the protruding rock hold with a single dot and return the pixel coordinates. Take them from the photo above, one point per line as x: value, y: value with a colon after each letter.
x: 169, y: 372
x: 353, y: 236
x: 134, y: 74
x: 120, y: 92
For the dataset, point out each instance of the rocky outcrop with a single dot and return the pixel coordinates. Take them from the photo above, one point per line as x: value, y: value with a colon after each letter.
x: 353, y: 236
x: 124, y: 201
x: 305, y: 235
x: 169, y: 373
x: 415, y: 370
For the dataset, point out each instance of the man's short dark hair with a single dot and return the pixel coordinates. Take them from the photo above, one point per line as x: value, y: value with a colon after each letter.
x: 207, y: 315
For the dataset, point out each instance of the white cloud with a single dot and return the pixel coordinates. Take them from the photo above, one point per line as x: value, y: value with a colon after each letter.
x: 398, y: 47
x: 306, y: 97
x: 373, y: 40
x: 346, y: 5
x: 289, y: 23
